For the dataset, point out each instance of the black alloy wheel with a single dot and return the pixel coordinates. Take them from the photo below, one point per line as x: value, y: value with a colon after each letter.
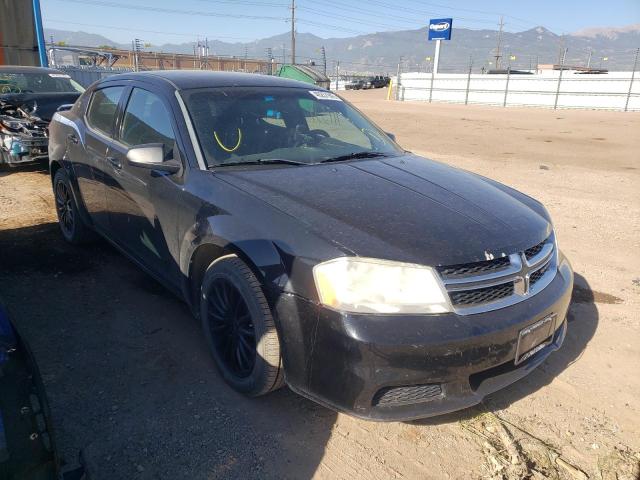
x: 72, y: 226
x: 239, y: 327
x: 231, y: 328
x: 65, y: 209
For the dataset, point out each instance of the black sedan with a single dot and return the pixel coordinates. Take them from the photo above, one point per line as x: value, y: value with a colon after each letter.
x: 314, y: 250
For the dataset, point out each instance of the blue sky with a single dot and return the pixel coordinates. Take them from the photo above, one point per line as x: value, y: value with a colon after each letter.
x: 167, y: 21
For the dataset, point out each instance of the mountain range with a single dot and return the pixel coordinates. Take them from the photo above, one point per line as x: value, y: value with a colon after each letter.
x: 613, y: 48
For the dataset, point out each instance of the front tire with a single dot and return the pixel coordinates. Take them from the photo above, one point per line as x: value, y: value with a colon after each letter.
x: 73, y: 228
x: 239, y: 328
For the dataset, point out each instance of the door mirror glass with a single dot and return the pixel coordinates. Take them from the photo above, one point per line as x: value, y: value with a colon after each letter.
x: 151, y: 156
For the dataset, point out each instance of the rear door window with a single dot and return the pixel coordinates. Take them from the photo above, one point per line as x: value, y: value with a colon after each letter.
x: 147, y: 120
x: 102, y: 109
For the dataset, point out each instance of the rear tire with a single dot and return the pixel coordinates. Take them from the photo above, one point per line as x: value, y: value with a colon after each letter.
x: 73, y: 228
x: 239, y: 328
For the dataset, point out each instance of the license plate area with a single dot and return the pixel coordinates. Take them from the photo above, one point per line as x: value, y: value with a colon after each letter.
x: 534, y: 338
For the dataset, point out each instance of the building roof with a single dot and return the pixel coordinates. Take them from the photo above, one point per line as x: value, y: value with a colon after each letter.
x: 187, y: 79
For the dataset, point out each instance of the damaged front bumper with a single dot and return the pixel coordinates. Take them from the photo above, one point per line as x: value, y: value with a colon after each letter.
x: 404, y: 367
x: 21, y: 148
x: 24, y: 136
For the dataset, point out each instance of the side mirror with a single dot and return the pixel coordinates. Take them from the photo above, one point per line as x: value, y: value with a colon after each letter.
x: 65, y: 107
x: 151, y: 156
x: 391, y: 136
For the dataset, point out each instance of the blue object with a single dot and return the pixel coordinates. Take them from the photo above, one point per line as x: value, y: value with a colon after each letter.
x: 42, y: 48
x: 440, y: 28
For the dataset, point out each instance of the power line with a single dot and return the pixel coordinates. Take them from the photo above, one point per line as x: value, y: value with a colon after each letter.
x: 164, y: 32
x: 173, y: 10
x: 351, y: 19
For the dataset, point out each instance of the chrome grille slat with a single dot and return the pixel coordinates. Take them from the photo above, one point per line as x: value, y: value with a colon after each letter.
x: 523, y: 275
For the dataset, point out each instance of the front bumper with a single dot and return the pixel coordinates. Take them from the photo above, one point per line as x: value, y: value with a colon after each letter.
x: 445, y: 362
x: 23, y: 148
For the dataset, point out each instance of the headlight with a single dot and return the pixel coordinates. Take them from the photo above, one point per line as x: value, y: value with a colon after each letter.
x: 369, y: 285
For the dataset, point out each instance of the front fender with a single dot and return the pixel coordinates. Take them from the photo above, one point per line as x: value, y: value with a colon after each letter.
x: 226, y: 234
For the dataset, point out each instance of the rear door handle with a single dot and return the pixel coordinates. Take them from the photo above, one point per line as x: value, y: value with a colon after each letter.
x: 117, y: 164
x: 72, y: 138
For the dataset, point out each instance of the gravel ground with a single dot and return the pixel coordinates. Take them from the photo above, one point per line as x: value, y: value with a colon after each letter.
x: 131, y: 383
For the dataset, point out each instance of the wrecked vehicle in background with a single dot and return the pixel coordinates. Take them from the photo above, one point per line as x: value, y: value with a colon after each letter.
x: 29, y: 96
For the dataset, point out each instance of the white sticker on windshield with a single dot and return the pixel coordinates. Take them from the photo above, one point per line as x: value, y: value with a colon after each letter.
x: 320, y: 95
x: 59, y: 75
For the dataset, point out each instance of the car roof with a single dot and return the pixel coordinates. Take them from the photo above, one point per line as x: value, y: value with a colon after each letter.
x: 23, y: 69
x: 188, y: 79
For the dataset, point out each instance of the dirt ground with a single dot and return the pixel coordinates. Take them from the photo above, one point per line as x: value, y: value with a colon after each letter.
x: 131, y: 384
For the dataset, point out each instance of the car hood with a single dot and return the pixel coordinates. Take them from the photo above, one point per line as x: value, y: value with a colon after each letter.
x: 47, y: 103
x: 403, y: 208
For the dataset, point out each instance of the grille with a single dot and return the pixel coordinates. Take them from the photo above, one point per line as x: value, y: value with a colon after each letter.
x: 478, y: 287
x: 389, y: 396
x: 481, y: 295
x: 474, y: 268
x: 535, y: 250
x: 537, y: 275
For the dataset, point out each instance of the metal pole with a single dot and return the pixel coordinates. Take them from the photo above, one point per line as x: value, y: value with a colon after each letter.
x: 37, y: 20
x: 436, y: 57
x: 633, y: 74
x: 466, y: 96
x: 337, y: 73
x: 431, y: 87
x: 324, y: 60
x: 293, y: 32
x: 398, y: 73
x: 506, y: 87
x: 564, y: 54
x: 498, y: 55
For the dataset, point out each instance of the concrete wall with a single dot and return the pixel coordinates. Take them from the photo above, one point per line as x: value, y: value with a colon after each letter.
x: 590, y: 91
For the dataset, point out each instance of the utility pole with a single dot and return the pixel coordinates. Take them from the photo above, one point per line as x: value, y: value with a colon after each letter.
x: 562, y: 59
x: 293, y: 32
x: 398, y: 73
x: 633, y: 76
x: 324, y: 59
x: 498, y: 55
x: 52, y: 60
x: 136, y: 48
x: 270, y: 58
x: 337, y: 73
x: 589, y: 59
x: 561, y: 51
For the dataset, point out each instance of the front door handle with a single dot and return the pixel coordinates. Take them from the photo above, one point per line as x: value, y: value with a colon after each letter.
x: 117, y: 164
x: 72, y: 138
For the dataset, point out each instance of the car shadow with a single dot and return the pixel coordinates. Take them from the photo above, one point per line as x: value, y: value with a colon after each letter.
x: 130, y: 379
x: 583, y: 321
x: 37, y: 167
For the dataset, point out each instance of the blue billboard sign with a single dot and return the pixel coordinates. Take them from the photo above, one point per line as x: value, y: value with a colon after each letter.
x: 440, y: 28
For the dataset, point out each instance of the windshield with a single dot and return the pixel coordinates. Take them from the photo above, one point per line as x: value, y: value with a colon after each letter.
x: 38, y: 83
x: 238, y: 125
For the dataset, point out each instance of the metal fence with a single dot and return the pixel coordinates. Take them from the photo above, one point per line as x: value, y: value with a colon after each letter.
x: 614, y: 91
x: 561, y: 87
x: 85, y: 76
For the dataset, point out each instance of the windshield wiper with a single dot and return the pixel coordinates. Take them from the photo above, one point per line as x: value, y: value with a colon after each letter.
x: 262, y: 161
x: 353, y: 156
